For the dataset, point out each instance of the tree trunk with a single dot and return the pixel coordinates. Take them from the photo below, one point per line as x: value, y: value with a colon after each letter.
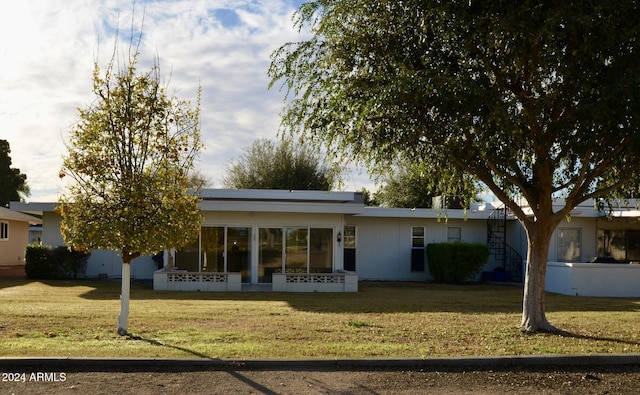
x: 533, y: 304
x: 123, y: 318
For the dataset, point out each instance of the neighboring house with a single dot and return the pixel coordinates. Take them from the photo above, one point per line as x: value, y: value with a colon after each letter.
x: 328, y: 241
x: 14, y: 236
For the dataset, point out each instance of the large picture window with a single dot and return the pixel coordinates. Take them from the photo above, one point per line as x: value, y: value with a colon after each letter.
x: 619, y: 245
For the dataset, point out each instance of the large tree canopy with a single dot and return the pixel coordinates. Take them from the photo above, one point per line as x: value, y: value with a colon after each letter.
x: 131, y: 156
x: 13, y: 184
x: 409, y: 184
x: 537, y: 99
x: 268, y: 164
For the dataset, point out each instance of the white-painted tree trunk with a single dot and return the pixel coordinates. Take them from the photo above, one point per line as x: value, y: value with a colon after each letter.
x: 123, y: 318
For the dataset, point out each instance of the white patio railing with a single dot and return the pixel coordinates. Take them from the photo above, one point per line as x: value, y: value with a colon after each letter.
x: 315, y: 282
x: 195, y: 281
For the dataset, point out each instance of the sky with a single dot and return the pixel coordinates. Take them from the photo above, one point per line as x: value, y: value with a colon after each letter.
x: 48, y: 49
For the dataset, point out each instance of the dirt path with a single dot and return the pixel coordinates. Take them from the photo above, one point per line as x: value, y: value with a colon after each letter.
x: 565, y: 380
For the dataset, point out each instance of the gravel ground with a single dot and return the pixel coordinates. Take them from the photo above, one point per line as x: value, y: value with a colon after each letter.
x: 612, y: 379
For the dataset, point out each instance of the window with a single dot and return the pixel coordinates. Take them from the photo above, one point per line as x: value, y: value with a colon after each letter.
x: 320, y: 250
x: 418, y: 236
x: 4, y: 230
x: 349, y: 236
x: 454, y: 234
x: 349, y: 250
x: 569, y: 244
x: 619, y: 245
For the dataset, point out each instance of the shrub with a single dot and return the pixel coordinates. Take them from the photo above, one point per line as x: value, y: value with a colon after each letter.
x: 53, y: 263
x: 456, y: 262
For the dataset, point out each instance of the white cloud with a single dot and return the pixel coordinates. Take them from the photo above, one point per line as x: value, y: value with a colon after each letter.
x: 48, y: 48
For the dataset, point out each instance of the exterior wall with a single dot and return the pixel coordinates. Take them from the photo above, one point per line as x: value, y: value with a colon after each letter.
x: 12, y: 250
x: 270, y: 219
x: 593, y: 279
x: 383, y: 249
x: 101, y: 263
x: 51, y: 229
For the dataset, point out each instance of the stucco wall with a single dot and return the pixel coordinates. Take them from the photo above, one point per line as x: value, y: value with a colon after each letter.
x: 384, y: 244
x: 12, y: 250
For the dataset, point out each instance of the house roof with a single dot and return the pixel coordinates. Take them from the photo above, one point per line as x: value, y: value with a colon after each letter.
x: 284, y: 201
x: 12, y: 215
x: 476, y: 211
x: 281, y: 201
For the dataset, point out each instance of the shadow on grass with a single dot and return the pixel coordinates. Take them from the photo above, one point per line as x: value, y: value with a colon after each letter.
x: 158, y: 343
x: 372, y: 297
x: 594, y: 338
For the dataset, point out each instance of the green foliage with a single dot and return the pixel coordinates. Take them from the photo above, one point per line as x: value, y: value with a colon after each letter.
x: 282, y: 165
x: 540, y: 109
x: 13, y: 184
x: 53, y: 263
x: 131, y: 159
x: 454, y: 263
x: 537, y: 100
x: 412, y: 185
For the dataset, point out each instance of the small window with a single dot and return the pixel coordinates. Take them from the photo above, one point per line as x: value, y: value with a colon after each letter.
x: 569, y: 244
x: 349, y: 236
x: 4, y: 230
x: 417, y: 236
x: 454, y: 234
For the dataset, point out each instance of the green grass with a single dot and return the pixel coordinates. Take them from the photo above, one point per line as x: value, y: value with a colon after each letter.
x: 78, y: 319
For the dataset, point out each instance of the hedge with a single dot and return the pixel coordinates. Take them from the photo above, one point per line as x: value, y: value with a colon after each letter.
x: 455, y: 263
x: 53, y: 263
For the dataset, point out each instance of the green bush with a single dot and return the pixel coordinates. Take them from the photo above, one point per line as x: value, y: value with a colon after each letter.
x: 53, y: 263
x: 456, y: 262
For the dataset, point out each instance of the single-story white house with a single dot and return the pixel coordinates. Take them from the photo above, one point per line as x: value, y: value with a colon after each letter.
x: 319, y: 241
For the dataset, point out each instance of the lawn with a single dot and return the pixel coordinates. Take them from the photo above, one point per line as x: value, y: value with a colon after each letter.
x: 390, y: 320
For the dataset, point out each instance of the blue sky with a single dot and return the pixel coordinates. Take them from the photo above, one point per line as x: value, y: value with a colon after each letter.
x: 48, y: 48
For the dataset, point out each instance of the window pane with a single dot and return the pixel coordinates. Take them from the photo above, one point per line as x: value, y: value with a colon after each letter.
x: 350, y: 237
x: 239, y: 251
x: 633, y: 245
x: 4, y: 230
x: 212, y: 249
x: 569, y: 244
x: 417, y: 239
x: 321, y: 251
x: 269, y: 254
x: 187, y: 258
x: 612, y: 244
x: 454, y: 234
x: 296, y: 250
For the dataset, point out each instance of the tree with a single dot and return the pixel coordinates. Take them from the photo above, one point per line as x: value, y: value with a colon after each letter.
x: 130, y: 159
x: 280, y: 165
x: 411, y: 185
x: 538, y: 100
x: 13, y: 184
